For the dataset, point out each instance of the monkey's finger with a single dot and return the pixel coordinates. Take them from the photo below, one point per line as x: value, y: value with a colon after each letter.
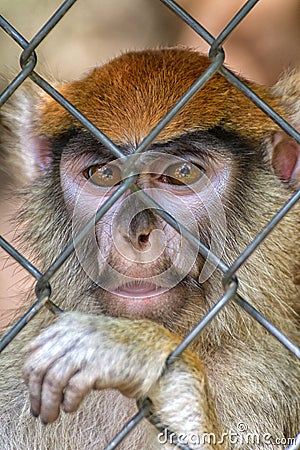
x: 54, y: 384
x: 34, y: 380
x: 78, y: 387
x: 35, y: 401
x: 33, y: 373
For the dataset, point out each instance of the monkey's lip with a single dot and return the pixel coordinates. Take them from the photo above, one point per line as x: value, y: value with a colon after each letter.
x: 139, y: 290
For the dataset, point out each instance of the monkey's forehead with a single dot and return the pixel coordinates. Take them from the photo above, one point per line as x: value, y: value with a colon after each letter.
x: 128, y: 96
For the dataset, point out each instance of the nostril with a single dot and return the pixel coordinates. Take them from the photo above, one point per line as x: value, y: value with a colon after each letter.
x: 143, y: 238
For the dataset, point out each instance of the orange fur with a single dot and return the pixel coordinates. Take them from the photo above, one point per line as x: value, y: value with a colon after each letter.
x: 127, y: 97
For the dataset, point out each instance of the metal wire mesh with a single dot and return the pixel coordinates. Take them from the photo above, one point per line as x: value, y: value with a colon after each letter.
x: 28, y: 62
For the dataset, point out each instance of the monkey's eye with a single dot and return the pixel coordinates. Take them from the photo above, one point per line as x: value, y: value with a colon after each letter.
x: 103, y: 175
x: 182, y: 173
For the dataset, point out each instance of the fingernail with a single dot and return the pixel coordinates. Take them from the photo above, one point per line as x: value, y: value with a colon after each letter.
x: 33, y: 412
x: 43, y: 422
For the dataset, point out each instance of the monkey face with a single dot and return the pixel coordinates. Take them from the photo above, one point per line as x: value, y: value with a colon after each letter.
x: 139, y: 264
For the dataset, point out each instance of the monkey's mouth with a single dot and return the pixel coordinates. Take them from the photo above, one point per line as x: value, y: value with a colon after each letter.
x: 140, y: 290
x: 144, y: 299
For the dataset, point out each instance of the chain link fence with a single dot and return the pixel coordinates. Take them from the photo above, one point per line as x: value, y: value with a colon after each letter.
x: 28, y: 61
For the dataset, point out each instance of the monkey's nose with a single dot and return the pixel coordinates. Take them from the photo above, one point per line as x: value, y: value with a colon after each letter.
x: 140, y: 230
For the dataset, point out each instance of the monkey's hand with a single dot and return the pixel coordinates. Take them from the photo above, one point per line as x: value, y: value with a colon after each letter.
x: 81, y: 352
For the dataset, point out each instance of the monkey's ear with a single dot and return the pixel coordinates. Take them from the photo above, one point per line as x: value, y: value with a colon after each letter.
x: 40, y: 149
x: 285, y: 150
x: 286, y: 158
x: 25, y: 153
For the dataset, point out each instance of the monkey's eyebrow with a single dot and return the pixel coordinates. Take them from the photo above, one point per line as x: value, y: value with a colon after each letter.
x: 77, y: 142
x: 218, y: 141
x: 199, y: 144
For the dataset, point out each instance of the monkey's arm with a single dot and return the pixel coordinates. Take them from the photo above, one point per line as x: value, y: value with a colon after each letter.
x: 82, y: 352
